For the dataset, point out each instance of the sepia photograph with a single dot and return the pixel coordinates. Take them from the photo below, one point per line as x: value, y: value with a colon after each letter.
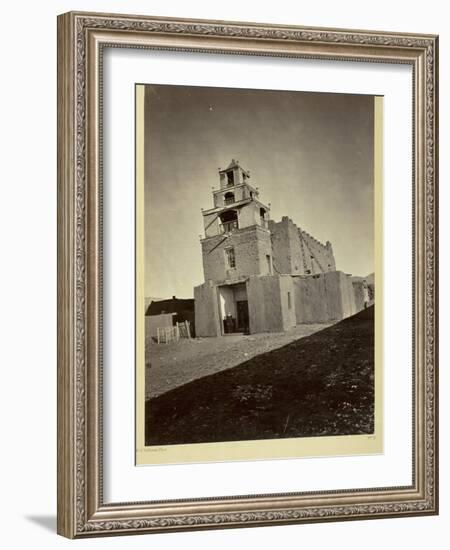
x: 258, y: 273
x: 247, y: 275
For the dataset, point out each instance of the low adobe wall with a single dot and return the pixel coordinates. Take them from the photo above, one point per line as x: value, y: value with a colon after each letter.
x: 341, y: 284
x: 287, y: 298
x: 152, y: 322
x: 323, y: 298
x: 271, y: 303
x: 310, y: 302
x: 279, y: 302
x: 264, y: 305
x: 206, y: 310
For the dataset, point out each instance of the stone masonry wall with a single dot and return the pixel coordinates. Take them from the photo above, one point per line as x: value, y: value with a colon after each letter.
x: 251, y: 245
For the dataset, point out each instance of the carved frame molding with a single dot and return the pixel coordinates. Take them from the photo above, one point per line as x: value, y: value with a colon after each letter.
x: 81, y: 38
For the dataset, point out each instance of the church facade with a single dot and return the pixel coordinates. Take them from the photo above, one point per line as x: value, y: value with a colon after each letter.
x: 261, y: 275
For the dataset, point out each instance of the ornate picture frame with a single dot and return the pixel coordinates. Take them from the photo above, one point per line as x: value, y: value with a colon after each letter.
x: 82, y: 39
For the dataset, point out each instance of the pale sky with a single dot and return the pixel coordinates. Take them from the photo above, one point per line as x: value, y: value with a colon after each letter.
x: 310, y: 154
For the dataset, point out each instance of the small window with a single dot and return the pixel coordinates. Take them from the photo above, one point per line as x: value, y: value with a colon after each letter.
x: 230, y: 179
x: 231, y: 258
x: 269, y: 263
x: 228, y: 198
x: 289, y: 300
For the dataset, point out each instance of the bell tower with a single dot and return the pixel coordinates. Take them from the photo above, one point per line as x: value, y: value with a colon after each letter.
x: 236, y: 203
x: 237, y: 238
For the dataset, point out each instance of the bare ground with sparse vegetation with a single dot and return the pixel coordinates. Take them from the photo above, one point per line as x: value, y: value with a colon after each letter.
x: 177, y: 363
x: 317, y: 385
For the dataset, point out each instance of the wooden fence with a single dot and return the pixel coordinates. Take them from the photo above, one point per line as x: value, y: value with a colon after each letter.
x: 165, y: 335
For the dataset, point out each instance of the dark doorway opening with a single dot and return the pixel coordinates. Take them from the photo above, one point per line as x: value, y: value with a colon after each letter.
x: 229, y: 221
x: 242, y: 321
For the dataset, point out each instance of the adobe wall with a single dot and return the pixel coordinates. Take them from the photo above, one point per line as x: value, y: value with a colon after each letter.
x: 287, y: 300
x: 207, y: 321
x: 348, y: 297
x: 268, y: 303
x: 339, y: 292
x: 211, y: 224
x: 240, y: 193
x: 264, y: 306
x: 237, y: 173
x: 334, y: 282
x: 297, y: 252
x: 214, y: 258
x: 323, y: 257
x: 310, y: 300
x: 248, y: 215
x: 251, y: 245
x: 361, y: 294
x: 323, y: 297
x: 152, y: 322
x: 287, y: 254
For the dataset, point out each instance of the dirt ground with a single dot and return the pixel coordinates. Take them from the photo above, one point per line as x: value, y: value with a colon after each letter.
x: 319, y: 385
x: 171, y: 365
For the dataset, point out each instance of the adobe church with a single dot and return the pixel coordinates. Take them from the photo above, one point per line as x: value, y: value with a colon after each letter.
x: 262, y: 275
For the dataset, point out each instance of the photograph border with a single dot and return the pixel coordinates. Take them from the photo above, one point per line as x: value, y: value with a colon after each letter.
x: 81, y: 39
x: 356, y: 444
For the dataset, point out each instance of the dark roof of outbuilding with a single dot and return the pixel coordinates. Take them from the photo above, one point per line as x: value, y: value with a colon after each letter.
x: 173, y: 305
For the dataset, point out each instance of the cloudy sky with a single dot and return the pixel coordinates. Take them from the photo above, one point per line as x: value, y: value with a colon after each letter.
x: 310, y: 154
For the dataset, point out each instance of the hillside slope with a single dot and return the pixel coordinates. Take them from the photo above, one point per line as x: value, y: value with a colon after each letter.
x: 319, y: 385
